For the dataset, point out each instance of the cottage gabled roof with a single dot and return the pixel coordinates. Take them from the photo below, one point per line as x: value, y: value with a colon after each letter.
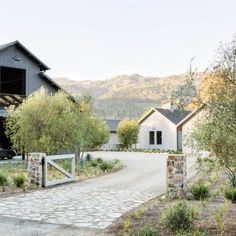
x: 174, y: 116
x: 16, y: 43
x: 190, y: 116
x: 112, y: 124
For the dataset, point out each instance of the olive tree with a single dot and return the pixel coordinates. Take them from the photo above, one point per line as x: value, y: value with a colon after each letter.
x: 53, y: 123
x: 217, y: 132
x: 219, y: 129
x: 128, y: 131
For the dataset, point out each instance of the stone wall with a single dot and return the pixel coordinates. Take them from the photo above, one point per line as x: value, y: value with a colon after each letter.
x: 35, y: 169
x: 176, y: 175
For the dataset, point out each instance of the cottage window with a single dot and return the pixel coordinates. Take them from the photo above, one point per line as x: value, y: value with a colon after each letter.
x: 159, y: 137
x: 151, y: 137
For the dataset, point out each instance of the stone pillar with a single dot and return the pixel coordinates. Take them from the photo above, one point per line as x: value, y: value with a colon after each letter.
x: 176, y: 175
x: 35, y: 169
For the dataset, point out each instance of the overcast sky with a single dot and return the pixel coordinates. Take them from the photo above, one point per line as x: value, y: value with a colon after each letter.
x: 98, y: 39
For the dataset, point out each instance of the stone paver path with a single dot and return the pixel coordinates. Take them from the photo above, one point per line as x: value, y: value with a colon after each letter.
x: 94, y: 203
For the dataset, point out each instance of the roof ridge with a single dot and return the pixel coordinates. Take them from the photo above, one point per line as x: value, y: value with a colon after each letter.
x: 16, y: 42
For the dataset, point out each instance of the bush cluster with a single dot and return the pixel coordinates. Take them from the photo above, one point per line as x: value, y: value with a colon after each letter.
x: 178, y: 217
x: 230, y: 194
x: 149, y: 230
x: 106, y: 166
x: 19, y: 181
x: 3, y: 179
x: 148, y: 150
x: 103, y: 165
x: 200, y: 191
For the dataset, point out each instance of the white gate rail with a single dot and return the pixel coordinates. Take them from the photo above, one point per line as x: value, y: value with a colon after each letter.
x: 49, y: 161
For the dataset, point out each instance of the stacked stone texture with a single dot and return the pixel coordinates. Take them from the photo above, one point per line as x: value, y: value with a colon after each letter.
x: 176, y: 176
x: 35, y: 169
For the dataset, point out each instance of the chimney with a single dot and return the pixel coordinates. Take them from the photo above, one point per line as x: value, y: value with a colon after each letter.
x: 169, y: 105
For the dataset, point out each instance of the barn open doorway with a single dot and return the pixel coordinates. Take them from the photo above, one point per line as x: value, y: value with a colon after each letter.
x: 12, y: 81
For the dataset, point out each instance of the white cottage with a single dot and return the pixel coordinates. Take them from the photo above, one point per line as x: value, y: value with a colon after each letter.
x: 158, y: 128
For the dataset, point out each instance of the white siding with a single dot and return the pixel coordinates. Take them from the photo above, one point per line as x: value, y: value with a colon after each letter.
x: 112, y: 143
x: 113, y: 139
x: 187, y: 128
x: 157, y: 122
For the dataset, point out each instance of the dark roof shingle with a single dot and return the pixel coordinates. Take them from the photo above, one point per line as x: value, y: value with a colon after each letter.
x: 174, y: 116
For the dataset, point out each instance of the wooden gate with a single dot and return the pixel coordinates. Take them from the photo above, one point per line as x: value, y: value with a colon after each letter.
x: 50, y: 161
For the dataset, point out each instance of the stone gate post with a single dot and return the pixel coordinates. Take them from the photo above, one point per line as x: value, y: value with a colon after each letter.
x: 176, y: 175
x: 35, y: 169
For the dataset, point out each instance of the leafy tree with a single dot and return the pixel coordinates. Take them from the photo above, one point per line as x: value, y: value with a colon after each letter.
x: 128, y: 132
x: 93, y: 133
x: 42, y: 123
x: 217, y: 132
x: 45, y: 123
x: 184, y: 95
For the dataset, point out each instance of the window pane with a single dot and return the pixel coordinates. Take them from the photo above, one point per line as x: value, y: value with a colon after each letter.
x: 159, y: 137
x: 151, y: 137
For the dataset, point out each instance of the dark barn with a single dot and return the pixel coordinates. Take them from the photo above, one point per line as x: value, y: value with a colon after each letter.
x: 21, y: 73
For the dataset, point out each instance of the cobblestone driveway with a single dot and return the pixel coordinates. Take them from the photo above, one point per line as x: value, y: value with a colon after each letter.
x: 94, y: 203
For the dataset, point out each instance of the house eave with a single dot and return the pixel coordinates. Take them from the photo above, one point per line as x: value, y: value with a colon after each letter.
x: 189, y: 117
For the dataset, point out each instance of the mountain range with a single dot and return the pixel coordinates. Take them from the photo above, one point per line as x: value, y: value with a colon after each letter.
x: 126, y: 95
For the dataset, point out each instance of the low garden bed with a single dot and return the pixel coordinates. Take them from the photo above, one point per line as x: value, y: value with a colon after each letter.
x: 144, y: 150
x: 206, y: 210
x: 13, y: 175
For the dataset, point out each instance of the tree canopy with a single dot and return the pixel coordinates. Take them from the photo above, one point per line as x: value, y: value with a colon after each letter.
x: 128, y: 132
x: 217, y: 132
x: 54, y: 123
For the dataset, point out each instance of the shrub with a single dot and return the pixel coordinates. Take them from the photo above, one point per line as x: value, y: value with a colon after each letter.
x: 81, y: 162
x: 230, y: 194
x: 200, y: 191
x: 88, y: 157
x: 3, y: 180
x: 19, y: 181
x: 94, y: 163
x: 106, y: 166
x: 149, y: 230
x: 99, y: 160
x: 191, y: 233
x: 178, y: 217
x: 116, y: 161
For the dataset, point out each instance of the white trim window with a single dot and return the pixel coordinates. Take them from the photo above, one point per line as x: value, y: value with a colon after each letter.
x: 151, y: 137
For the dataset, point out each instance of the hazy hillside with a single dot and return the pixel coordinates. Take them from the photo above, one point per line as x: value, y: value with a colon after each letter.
x: 125, y: 95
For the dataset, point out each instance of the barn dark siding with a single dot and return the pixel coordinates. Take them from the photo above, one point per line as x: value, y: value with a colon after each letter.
x: 19, y: 75
x: 33, y: 80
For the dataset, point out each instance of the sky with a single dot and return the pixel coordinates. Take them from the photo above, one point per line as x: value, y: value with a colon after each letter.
x: 99, y: 39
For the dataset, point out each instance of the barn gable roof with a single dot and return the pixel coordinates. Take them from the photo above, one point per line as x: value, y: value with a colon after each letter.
x: 19, y: 45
